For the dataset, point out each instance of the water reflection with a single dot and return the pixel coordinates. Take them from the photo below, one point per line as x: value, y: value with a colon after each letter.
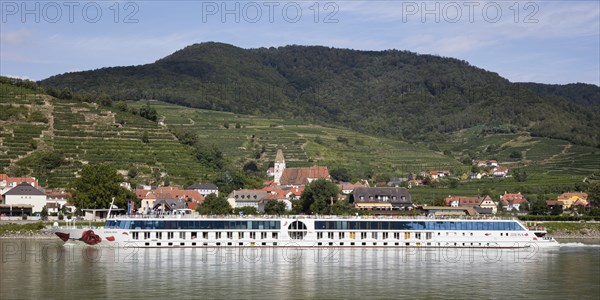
x: 46, y: 269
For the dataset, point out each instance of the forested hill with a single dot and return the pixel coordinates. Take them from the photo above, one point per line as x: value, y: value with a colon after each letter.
x: 394, y: 93
x: 580, y: 93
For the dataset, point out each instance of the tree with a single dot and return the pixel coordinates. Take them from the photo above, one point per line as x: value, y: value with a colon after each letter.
x: 520, y: 175
x: 454, y: 183
x: 516, y: 154
x: 97, y: 186
x: 317, y: 196
x: 341, y: 208
x: 145, y: 138
x: 246, y: 210
x: 132, y: 172
x: 214, y: 205
x: 185, y: 136
x: 341, y: 174
x: 148, y: 113
x: 594, y: 193
x: 122, y: 106
x: 274, y: 207
x: 556, y: 210
x: 44, y: 212
x: 539, y: 207
x: 250, y: 167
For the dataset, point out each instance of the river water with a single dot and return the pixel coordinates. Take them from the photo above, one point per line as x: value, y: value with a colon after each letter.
x: 46, y: 269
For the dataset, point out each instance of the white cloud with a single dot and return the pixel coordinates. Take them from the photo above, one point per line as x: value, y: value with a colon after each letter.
x: 14, y: 38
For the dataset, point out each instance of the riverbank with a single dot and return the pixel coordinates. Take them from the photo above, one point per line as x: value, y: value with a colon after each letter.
x: 25, y: 230
x: 573, y: 230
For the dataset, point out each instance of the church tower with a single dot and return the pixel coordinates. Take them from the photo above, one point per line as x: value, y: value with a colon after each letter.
x: 279, y: 166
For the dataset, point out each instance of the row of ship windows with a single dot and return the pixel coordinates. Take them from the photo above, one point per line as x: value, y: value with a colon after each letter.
x: 240, y: 244
x: 275, y: 235
x: 417, y: 225
x: 202, y: 235
x: 186, y: 224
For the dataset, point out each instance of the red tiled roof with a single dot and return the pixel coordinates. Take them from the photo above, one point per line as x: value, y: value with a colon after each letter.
x: 8, y: 179
x: 513, y: 199
x: 569, y: 195
x: 170, y: 193
x: 466, y: 201
x: 553, y: 202
x: 300, y: 176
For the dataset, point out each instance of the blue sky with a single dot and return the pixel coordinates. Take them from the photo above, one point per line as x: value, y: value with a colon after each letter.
x: 543, y: 41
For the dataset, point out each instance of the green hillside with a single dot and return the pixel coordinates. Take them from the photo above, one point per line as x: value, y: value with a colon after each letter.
x: 258, y: 138
x: 385, y: 93
x: 552, y: 165
x: 52, y: 139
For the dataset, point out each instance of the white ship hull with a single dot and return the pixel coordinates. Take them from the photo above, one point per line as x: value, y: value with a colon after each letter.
x: 305, y: 232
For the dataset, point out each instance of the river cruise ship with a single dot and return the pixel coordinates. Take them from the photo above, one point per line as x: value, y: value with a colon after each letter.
x: 308, y: 231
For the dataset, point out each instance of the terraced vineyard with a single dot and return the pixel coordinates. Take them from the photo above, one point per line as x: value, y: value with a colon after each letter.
x: 303, y: 144
x: 85, y: 133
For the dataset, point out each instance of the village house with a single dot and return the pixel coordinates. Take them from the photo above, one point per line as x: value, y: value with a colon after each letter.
x: 436, y: 175
x: 204, y: 189
x: 475, y: 202
x: 169, y: 205
x: 490, y: 163
x: 148, y: 197
x: 552, y: 203
x: 477, y: 175
x: 276, y: 195
x: 512, y: 202
x: 381, y: 199
x: 500, y: 171
x: 26, y: 194
x: 7, y: 182
x: 347, y: 187
x: 290, y: 177
x: 56, y: 200
x: 570, y: 199
x: 396, y: 182
x: 246, y: 198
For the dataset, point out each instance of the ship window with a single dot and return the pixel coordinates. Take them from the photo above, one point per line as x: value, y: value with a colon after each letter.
x: 274, y: 235
x: 240, y: 235
x: 319, y: 235
x: 263, y: 235
x: 341, y: 235
x: 136, y: 235
x: 297, y: 230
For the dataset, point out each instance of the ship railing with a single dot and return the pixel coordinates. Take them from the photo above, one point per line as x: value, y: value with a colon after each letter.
x: 332, y: 217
